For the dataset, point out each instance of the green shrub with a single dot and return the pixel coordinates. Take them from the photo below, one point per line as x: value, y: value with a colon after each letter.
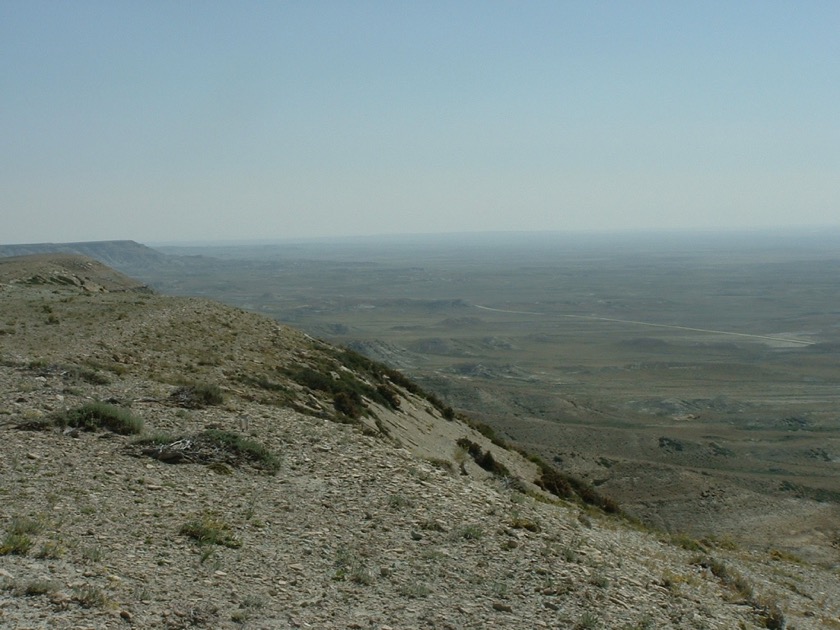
x: 470, y: 532
x: 208, y: 529
x: 470, y: 447
x: 389, y: 395
x: 99, y: 415
x: 414, y: 590
x: 488, y: 432
x: 385, y: 377
x: 349, y: 404
x: 26, y: 525
x: 88, y: 596
x: 484, y: 459
x: 197, y: 396
x: 566, y: 486
x: 15, y: 544
x: 687, y: 542
x: 245, y: 447
x: 525, y: 523
x: 213, y: 446
x: 489, y: 463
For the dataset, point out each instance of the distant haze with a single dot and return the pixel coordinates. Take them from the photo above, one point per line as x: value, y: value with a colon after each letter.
x: 175, y: 121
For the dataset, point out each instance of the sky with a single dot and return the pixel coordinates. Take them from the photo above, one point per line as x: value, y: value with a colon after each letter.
x: 174, y: 121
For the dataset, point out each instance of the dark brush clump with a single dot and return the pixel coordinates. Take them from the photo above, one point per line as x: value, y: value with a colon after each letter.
x: 483, y: 458
x: 567, y: 486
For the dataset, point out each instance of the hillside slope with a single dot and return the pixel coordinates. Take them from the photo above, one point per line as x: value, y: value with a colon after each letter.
x: 278, y: 482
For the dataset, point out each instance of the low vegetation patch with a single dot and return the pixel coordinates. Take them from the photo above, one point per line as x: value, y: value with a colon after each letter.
x: 687, y: 542
x: 483, y: 458
x: 91, y: 416
x: 71, y: 373
x: 211, y: 447
x: 31, y: 588
x: 18, y: 539
x: 442, y: 464
x: 351, y: 379
x: 99, y: 415
x: 767, y: 610
x: 565, y: 486
x: 414, y: 590
x: 88, y: 596
x: 197, y: 396
x: 209, y: 529
x: 469, y: 532
x: 15, y: 544
x: 489, y: 432
x: 520, y: 522
x: 349, y: 566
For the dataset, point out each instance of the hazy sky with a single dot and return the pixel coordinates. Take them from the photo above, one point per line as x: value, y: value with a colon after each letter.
x: 159, y: 121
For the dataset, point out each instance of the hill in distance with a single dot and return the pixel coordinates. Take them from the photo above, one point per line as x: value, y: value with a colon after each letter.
x: 118, y: 254
x: 174, y: 462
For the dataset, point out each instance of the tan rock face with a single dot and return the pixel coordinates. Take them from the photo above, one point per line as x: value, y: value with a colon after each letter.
x: 368, y: 523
